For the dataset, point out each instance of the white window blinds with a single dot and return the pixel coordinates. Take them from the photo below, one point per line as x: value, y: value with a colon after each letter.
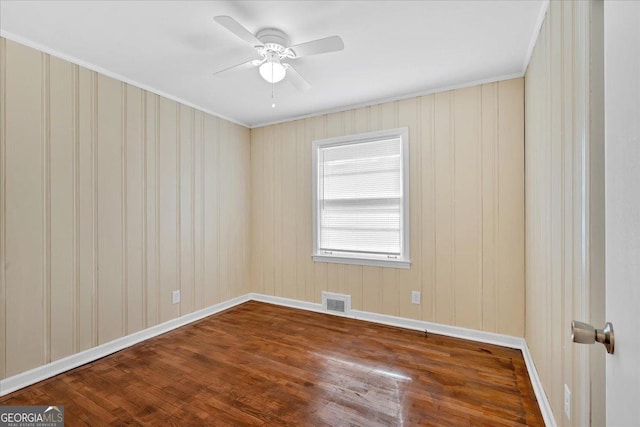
x: 360, y: 198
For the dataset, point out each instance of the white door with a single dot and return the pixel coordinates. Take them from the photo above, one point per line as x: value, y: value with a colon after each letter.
x: 622, y: 205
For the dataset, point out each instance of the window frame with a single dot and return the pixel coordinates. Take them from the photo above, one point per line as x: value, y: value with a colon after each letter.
x: 404, y: 260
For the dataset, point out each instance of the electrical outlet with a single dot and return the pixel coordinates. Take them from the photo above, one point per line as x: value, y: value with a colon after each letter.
x: 415, y: 297
x: 567, y: 402
x: 175, y: 297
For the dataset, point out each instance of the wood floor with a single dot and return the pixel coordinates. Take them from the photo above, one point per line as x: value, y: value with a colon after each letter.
x: 260, y: 364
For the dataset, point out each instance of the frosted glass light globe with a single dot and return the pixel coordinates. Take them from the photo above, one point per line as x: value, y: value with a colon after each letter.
x: 272, y: 71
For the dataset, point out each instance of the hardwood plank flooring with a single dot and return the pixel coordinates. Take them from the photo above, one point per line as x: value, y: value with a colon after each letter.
x: 259, y: 364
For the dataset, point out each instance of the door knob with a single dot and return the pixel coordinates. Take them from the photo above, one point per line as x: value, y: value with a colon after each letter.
x: 584, y: 333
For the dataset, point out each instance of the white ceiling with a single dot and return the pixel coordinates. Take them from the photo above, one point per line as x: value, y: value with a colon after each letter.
x: 393, y: 49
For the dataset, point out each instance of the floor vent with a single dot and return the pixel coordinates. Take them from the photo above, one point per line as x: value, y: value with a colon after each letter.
x: 336, y: 303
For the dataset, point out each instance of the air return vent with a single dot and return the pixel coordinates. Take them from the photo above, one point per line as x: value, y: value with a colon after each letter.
x: 336, y: 303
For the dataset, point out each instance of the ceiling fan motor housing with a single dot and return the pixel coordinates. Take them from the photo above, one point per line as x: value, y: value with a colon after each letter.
x: 274, y: 41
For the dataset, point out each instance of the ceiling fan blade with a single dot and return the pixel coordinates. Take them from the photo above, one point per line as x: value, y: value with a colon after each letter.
x: 316, y: 47
x: 296, y: 79
x: 236, y: 28
x: 238, y: 67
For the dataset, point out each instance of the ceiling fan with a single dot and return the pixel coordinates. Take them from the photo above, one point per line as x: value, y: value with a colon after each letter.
x: 272, y: 45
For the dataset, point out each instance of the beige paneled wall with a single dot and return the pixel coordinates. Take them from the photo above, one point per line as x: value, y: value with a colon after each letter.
x: 557, y: 91
x: 112, y: 197
x: 467, y: 210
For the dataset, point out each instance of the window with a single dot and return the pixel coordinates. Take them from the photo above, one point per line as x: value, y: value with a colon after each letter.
x: 361, y: 199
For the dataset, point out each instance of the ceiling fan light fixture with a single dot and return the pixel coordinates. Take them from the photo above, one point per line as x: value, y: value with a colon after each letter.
x: 272, y: 70
x: 272, y: 45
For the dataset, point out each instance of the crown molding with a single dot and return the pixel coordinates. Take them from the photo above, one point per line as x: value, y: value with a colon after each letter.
x: 423, y: 92
x: 46, y: 49
x: 379, y: 101
x: 74, y: 60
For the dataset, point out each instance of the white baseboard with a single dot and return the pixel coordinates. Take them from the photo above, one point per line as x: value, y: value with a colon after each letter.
x: 24, y: 379
x: 288, y: 302
x: 402, y: 322
x: 541, y: 396
x: 436, y: 328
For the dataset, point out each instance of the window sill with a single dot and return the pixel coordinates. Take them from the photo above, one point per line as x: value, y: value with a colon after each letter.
x: 363, y: 261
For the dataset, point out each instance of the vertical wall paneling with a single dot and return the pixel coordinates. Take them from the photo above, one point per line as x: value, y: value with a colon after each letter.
x: 277, y: 210
x: 198, y: 214
x: 228, y: 222
x: 243, y: 197
x: 256, y: 220
x: 178, y: 236
x: 243, y: 221
x: 46, y: 195
x: 143, y: 203
x: 246, y: 208
x: 558, y: 88
x: 511, y: 202
x: 427, y: 218
x: 110, y: 199
x: 168, y: 212
x: 3, y: 127
x: 444, y: 207
x: 555, y: 159
x: 268, y: 207
x: 61, y: 182
x: 110, y: 226
x: 304, y: 198
x: 211, y: 210
x: 460, y: 217
x: 151, y: 212
x: 296, y: 287
x: 290, y: 217
x: 194, y: 196
x: 316, y: 129
x: 371, y: 284
x: 85, y: 195
x: 490, y: 213
x: 225, y: 231
x: 134, y: 214
x: 76, y: 209
x: 409, y: 112
x: 467, y: 215
x: 133, y: 196
x: 94, y: 209
x: 24, y: 201
x: 123, y: 206
x: 186, y: 210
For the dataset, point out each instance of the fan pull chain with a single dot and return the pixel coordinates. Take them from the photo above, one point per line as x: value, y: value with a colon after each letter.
x: 273, y: 89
